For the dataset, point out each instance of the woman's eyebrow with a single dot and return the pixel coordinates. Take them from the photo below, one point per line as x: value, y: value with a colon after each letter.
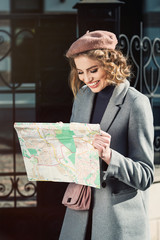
x: 89, y: 68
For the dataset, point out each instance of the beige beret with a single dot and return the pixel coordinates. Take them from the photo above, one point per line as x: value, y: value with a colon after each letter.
x: 93, y: 40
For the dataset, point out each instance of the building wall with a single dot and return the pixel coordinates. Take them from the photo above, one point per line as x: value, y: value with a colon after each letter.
x: 49, y: 6
x: 154, y: 211
x: 4, y: 5
x: 151, y: 18
x: 58, y: 6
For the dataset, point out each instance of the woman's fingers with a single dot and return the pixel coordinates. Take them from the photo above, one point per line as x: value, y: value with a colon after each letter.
x: 103, y: 138
x: 99, y: 147
x: 102, y: 143
x: 102, y: 133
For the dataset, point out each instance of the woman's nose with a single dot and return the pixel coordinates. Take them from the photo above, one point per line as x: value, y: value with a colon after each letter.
x: 87, y: 78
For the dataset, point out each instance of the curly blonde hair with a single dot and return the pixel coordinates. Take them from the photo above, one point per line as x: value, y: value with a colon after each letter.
x: 112, y: 61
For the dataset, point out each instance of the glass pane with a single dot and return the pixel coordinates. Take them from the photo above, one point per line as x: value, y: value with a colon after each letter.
x: 5, y: 6
x: 6, y: 204
x: 6, y: 162
x: 5, y: 48
x: 26, y: 4
x: 23, y: 54
x: 20, y: 167
x: 6, y: 133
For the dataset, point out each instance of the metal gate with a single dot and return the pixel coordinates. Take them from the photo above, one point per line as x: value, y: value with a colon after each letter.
x: 33, y: 87
x: 144, y: 55
x: 29, y: 73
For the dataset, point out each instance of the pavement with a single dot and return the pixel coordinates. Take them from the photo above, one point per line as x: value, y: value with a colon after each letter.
x: 154, y: 206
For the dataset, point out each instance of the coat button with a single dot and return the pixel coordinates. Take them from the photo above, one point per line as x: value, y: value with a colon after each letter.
x: 103, y: 184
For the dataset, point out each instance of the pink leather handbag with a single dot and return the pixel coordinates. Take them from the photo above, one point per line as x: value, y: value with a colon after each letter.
x: 77, y: 197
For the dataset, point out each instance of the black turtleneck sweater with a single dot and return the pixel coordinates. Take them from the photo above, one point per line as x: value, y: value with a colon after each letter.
x: 101, y: 101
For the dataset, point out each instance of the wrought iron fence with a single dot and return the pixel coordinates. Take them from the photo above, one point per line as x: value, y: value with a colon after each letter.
x: 15, y: 190
x: 28, y: 73
x: 144, y: 54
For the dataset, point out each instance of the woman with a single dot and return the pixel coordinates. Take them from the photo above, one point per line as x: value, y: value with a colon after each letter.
x: 125, y: 146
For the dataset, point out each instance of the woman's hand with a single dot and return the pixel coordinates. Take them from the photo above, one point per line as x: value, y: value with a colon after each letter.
x: 102, y: 144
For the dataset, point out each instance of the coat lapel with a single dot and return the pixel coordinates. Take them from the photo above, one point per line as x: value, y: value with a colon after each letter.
x: 114, y: 105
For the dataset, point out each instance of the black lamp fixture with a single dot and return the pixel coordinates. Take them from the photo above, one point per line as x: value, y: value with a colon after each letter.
x: 98, y: 14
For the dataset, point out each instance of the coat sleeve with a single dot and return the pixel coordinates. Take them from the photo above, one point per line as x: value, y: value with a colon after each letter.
x: 136, y: 169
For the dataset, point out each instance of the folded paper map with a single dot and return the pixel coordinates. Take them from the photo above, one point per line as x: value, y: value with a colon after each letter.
x: 61, y: 152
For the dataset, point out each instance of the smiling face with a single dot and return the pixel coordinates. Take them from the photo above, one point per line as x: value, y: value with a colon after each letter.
x: 91, y: 73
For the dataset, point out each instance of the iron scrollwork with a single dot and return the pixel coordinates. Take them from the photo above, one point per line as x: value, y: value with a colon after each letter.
x: 145, y: 56
x: 13, y: 189
x: 30, y: 188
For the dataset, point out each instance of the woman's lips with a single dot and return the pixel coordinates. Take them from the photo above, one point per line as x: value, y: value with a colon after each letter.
x: 94, y: 84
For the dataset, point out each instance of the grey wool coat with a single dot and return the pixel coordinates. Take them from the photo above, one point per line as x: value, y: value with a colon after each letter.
x: 120, y: 207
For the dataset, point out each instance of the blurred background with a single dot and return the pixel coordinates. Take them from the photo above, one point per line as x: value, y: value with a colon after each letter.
x: 34, y: 36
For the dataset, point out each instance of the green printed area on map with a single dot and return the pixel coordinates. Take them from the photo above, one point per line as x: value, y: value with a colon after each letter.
x: 66, y: 138
x: 61, y: 152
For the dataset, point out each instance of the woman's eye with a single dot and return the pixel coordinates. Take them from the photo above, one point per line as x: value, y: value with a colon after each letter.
x: 80, y: 73
x: 94, y: 70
